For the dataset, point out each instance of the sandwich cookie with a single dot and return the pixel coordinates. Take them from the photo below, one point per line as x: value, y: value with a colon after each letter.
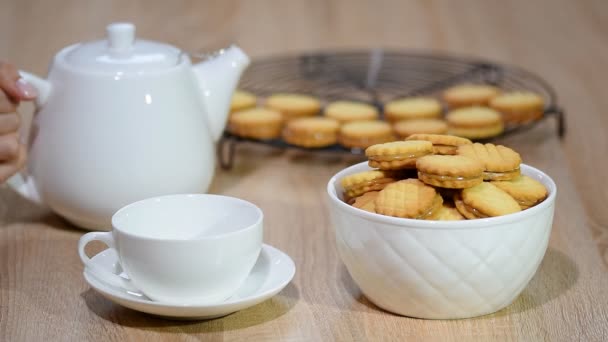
x: 242, y: 100
x: 366, y: 201
x: 347, y: 111
x: 409, y: 198
x: 442, y: 144
x: 485, y: 200
x: 519, y: 106
x: 405, y: 128
x: 311, y: 132
x: 453, y: 172
x: 499, y: 162
x: 294, y: 105
x: 412, y: 108
x: 475, y: 123
x: 359, y: 183
x: 362, y: 134
x: 527, y: 191
x: 397, y: 155
x: 448, y: 212
x: 256, y: 123
x: 466, y: 95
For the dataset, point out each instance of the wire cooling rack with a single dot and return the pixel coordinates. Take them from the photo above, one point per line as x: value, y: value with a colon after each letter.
x: 376, y: 77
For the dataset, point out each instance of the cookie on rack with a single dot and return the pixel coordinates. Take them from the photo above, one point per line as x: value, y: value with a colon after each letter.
x: 359, y: 183
x: 409, y: 198
x: 475, y: 123
x: 362, y: 134
x: 256, y: 123
x: 405, y: 128
x: 412, y: 108
x: 242, y: 100
x: 499, y: 162
x: 467, y: 95
x: 311, y: 132
x: 397, y: 155
x: 367, y: 201
x: 527, y: 191
x: 485, y: 200
x: 453, y: 172
x: 294, y: 105
x: 519, y: 106
x: 442, y: 144
x: 347, y: 111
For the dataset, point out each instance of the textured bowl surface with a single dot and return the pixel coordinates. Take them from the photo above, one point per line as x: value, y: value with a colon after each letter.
x: 441, y: 269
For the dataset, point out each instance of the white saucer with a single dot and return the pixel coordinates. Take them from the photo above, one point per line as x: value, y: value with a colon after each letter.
x: 271, y: 273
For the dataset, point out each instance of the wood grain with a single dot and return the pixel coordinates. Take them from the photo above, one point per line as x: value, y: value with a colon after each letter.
x: 43, y: 295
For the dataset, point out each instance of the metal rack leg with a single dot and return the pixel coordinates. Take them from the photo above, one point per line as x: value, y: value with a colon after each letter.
x: 561, y: 123
x: 226, y: 152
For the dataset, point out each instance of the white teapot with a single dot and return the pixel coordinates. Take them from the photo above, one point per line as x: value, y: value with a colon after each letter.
x: 120, y: 120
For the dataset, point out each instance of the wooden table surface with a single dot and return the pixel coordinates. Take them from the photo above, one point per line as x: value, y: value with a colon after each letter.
x: 43, y: 295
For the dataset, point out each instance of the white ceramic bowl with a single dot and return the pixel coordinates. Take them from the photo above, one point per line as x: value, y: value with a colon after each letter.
x: 441, y: 269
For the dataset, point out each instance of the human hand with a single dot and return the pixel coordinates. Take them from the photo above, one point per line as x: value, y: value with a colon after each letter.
x: 13, y: 89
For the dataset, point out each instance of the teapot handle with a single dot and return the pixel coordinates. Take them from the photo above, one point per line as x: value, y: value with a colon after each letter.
x: 42, y: 86
x: 23, y: 183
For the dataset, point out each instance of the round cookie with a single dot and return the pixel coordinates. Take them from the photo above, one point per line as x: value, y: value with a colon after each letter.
x: 412, y: 108
x: 397, y: 155
x: 311, y: 132
x: 256, y: 123
x: 527, y: 191
x: 366, y: 201
x: 449, y: 213
x: 347, y: 111
x: 362, y: 134
x: 242, y: 100
x: 442, y: 144
x: 499, y: 162
x: 475, y: 123
x: 465, y: 95
x: 408, y: 198
x: 485, y: 200
x: 519, y: 106
x: 294, y: 105
x: 405, y: 128
x: 454, y: 172
x: 359, y: 183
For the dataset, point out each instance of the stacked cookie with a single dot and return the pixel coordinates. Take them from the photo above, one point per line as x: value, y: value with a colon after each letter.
x: 441, y: 177
x: 474, y: 111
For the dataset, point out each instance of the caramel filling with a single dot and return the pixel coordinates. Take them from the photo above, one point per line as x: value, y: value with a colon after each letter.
x: 434, y: 210
x: 474, y: 211
x: 493, y: 174
x: 442, y: 178
x: 400, y: 156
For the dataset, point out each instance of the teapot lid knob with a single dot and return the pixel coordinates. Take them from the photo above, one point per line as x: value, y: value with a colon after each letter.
x: 121, y: 37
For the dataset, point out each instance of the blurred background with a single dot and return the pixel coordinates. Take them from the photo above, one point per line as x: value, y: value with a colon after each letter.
x: 565, y: 42
x: 530, y: 33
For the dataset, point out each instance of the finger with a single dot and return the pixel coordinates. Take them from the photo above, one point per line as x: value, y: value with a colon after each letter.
x: 9, y: 123
x: 7, y: 104
x: 12, y: 83
x: 9, y: 147
x: 8, y: 80
x: 10, y: 168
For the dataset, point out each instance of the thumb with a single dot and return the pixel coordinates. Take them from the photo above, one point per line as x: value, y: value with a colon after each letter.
x: 26, y: 90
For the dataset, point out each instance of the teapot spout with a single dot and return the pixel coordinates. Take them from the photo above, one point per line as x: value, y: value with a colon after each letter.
x: 218, y: 77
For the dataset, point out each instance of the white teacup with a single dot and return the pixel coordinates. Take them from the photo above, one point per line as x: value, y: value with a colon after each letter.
x: 182, y: 249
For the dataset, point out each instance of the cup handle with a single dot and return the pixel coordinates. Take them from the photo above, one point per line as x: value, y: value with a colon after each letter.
x: 98, y: 272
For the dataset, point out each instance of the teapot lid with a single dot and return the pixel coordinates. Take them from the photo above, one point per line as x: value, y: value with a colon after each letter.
x: 122, y: 52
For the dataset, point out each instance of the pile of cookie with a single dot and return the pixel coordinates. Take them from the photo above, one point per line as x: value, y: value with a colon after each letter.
x: 474, y: 111
x: 442, y: 177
